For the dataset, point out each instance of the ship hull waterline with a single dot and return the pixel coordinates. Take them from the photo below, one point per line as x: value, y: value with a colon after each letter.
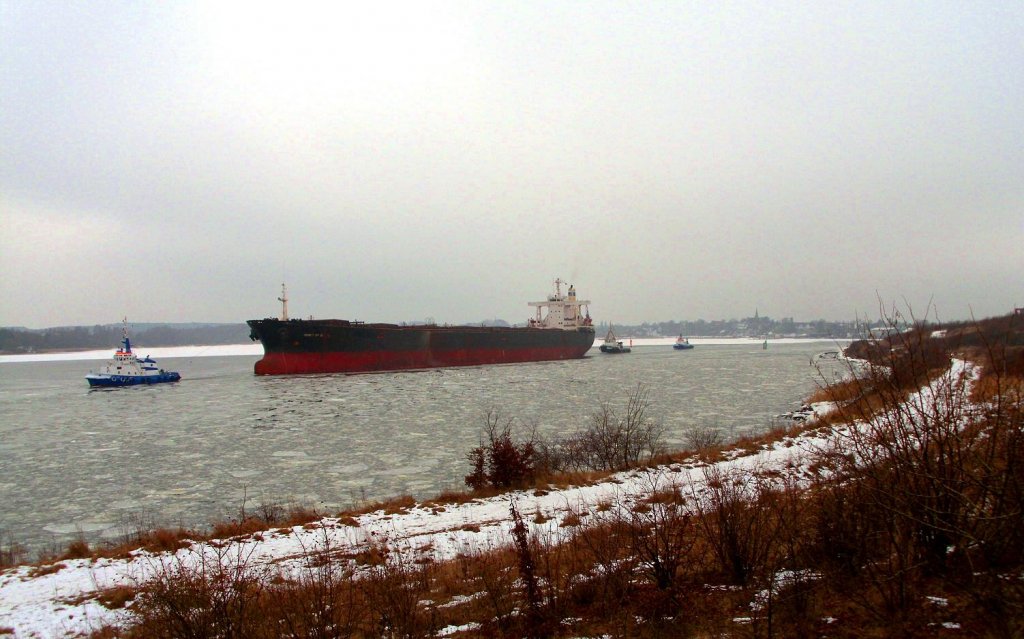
x: 112, y: 381
x: 337, y: 346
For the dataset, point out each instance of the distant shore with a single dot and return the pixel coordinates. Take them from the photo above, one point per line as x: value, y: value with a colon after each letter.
x: 255, y: 348
x: 217, y: 350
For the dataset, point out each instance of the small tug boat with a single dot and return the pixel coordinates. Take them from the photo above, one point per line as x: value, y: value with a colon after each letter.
x: 127, y: 370
x: 613, y: 345
x: 682, y: 344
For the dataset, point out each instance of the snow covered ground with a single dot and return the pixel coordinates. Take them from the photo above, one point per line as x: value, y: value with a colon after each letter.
x: 159, y: 352
x: 57, y: 600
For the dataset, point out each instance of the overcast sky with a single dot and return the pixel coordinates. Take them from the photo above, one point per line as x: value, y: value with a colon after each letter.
x: 177, y: 161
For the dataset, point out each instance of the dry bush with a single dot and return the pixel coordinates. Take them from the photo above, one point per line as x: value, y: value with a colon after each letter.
x: 77, y: 549
x: 46, y: 569
x: 492, y: 574
x: 739, y: 522
x: 613, y: 441
x: 990, y: 388
x: 929, y: 485
x: 840, y: 392
x: 12, y: 553
x: 500, y: 461
x: 537, y: 623
x: 568, y: 479
x: 156, y: 540
x: 752, y: 444
x: 219, y: 594
x: 398, y: 505
x: 139, y: 531
x: 166, y: 539
x: 393, y: 506
x: 299, y: 515
x: 222, y: 595
x: 393, y: 591
x: 323, y: 600
x: 919, y: 454
x: 116, y: 597
x: 662, y: 537
x: 455, y: 497
x: 605, y: 548
x: 238, y: 528
x: 703, y: 438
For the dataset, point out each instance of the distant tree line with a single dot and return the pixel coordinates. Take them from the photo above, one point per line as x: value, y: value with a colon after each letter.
x: 748, y: 327
x: 21, y: 340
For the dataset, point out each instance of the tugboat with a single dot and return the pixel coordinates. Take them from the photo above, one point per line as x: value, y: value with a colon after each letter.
x: 613, y: 345
x: 682, y: 344
x: 127, y: 370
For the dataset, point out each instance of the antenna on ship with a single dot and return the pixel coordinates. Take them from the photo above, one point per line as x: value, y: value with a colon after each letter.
x: 126, y: 344
x: 284, y: 303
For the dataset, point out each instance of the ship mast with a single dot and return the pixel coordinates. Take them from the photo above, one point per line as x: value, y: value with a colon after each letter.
x: 126, y: 344
x: 284, y: 303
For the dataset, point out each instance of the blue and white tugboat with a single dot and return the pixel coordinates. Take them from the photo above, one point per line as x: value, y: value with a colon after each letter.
x: 127, y: 370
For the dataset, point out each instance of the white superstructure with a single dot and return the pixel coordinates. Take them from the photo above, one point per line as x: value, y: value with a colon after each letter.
x: 564, y: 311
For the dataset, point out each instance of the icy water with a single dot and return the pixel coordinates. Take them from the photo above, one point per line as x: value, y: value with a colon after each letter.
x: 75, y: 461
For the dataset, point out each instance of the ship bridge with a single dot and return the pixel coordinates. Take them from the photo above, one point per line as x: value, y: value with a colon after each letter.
x: 564, y: 311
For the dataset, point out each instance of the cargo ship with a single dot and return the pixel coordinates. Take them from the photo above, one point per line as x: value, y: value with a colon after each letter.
x: 560, y: 329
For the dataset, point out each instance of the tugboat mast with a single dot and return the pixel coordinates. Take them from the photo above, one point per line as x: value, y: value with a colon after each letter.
x: 284, y: 303
x: 126, y: 345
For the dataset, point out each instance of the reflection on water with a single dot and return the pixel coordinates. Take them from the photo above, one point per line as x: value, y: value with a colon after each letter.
x: 75, y: 460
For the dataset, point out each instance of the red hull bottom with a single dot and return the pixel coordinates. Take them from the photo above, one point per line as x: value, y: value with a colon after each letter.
x: 372, y: 361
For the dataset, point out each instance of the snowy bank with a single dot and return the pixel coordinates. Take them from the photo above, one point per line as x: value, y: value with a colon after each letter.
x: 59, y: 600
x: 159, y: 352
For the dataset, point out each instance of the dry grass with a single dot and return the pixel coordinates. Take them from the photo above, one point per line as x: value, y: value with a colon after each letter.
x: 116, y: 598
x: 236, y: 529
x: 13, y: 554
x: 456, y: 497
x: 77, y: 549
x: 156, y: 540
x: 561, y: 481
x: 571, y: 519
x: 46, y: 569
x: 670, y: 458
x: 393, y: 506
x: 990, y: 388
x: 839, y: 392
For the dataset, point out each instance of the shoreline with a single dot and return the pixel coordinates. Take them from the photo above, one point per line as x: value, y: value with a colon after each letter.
x: 170, y: 352
x: 255, y: 348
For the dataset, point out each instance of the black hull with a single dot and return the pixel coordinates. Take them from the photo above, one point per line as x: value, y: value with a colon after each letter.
x: 340, y: 346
